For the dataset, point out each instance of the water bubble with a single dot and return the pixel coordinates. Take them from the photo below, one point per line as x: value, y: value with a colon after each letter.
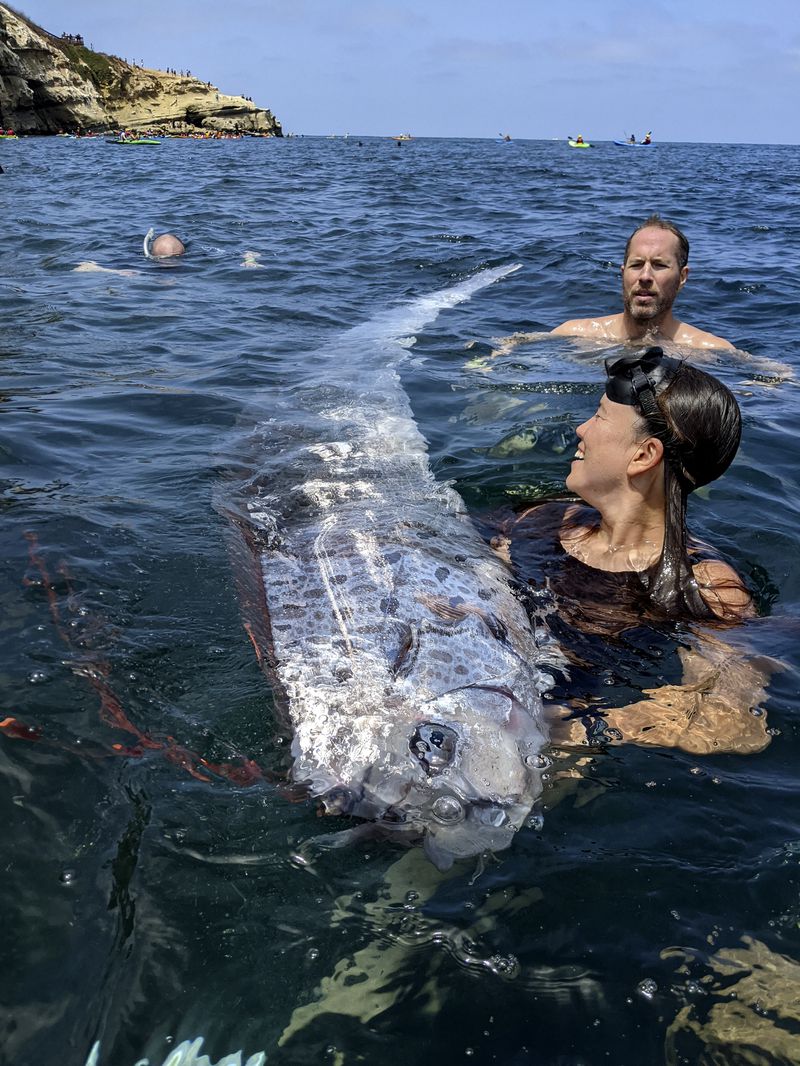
x: 696, y: 770
x: 313, y: 954
x: 37, y: 677
x: 412, y: 896
x: 67, y: 877
x: 469, y: 1050
x: 649, y: 784
x: 536, y: 821
x: 757, y: 712
x: 537, y: 762
x: 504, y: 965
x: 647, y: 988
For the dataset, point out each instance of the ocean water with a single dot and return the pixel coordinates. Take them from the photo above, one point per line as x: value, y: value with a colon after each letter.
x: 651, y: 913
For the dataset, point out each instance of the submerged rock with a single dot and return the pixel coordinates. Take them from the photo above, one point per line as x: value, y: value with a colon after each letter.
x: 50, y: 83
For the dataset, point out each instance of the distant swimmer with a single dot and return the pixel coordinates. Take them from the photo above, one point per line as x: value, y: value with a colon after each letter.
x: 250, y: 261
x: 164, y: 246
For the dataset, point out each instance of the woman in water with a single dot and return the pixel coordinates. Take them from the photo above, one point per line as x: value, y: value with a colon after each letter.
x: 620, y: 575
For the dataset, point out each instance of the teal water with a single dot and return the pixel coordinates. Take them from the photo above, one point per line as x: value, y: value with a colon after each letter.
x: 144, y: 905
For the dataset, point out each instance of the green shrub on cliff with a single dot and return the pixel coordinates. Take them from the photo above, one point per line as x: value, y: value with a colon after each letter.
x: 89, y: 64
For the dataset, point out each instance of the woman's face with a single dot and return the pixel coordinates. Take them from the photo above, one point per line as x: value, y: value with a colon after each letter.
x: 606, y: 444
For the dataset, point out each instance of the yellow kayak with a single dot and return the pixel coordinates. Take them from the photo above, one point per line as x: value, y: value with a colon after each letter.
x: 579, y: 144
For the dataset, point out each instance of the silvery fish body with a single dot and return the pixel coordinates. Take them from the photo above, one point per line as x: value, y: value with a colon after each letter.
x: 189, y: 1053
x: 409, y: 669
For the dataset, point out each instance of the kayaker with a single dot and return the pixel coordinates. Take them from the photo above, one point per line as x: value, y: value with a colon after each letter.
x: 579, y: 139
x: 632, y: 139
x: 647, y: 137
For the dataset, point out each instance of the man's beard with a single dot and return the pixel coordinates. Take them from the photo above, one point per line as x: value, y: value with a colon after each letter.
x: 653, y: 309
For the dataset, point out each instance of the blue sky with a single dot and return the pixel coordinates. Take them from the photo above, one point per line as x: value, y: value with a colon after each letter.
x: 706, y: 70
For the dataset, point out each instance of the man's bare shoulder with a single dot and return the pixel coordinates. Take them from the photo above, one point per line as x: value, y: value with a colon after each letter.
x: 607, y: 326
x: 698, y: 338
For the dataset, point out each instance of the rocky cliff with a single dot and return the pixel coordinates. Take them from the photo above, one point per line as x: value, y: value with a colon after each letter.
x: 50, y: 83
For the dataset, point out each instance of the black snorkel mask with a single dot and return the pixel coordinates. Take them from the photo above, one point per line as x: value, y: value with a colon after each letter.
x: 636, y: 379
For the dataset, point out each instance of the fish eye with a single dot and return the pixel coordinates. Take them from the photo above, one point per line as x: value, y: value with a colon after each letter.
x: 447, y: 809
x: 434, y: 746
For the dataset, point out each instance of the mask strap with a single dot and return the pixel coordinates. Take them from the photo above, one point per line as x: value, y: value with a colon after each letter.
x: 148, y: 237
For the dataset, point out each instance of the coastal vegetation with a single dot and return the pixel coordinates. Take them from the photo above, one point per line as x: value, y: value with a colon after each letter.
x: 56, y: 83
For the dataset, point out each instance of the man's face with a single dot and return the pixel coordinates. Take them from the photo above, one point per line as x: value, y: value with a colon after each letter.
x: 651, y: 276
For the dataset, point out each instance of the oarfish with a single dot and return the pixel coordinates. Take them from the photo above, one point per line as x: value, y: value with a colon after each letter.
x: 407, y: 667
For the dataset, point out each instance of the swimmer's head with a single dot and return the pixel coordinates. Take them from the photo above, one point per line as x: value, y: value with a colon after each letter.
x: 699, y: 424
x: 694, y: 415
x: 164, y: 246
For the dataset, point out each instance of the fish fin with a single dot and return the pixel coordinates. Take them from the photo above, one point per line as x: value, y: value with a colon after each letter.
x: 407, y: 650
x: 455, y: 610
x: 245, y: 557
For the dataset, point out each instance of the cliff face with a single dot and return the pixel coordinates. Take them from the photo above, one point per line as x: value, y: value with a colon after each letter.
x: 49, y: 84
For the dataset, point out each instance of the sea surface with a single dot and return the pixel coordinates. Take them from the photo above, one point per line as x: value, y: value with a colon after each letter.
x: 650, y: 912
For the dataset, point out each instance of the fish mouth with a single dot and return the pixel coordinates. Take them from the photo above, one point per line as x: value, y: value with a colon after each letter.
x: 477, y: 828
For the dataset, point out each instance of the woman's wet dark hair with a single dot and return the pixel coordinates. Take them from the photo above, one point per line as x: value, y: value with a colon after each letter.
x: 698, y: 421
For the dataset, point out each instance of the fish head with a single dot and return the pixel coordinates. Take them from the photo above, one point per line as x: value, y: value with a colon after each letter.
x: 463, y: 778
x: 483, y: 760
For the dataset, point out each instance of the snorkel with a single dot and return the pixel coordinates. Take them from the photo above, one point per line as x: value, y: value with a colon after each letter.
x: 164, y: 246
x: 148, y: 238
